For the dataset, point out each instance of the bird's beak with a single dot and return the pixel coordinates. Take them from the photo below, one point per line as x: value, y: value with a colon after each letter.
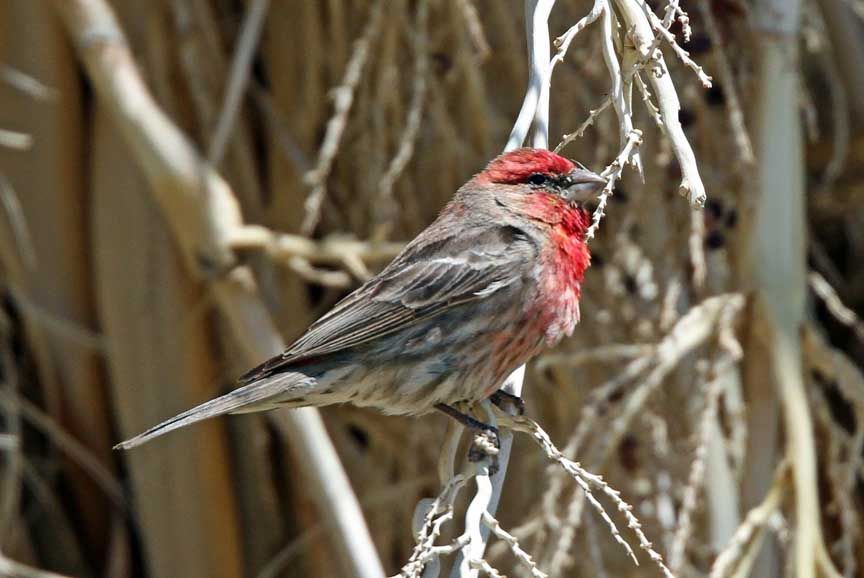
x: 582, y: 185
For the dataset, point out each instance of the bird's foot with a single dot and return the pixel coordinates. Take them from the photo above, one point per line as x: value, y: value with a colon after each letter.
x: 508, y: 402
x: 486, y: 443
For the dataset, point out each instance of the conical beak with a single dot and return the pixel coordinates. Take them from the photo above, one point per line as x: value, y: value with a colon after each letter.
x: 582, y: 185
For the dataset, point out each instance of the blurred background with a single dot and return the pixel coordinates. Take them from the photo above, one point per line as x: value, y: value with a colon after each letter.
x: 712, y: 343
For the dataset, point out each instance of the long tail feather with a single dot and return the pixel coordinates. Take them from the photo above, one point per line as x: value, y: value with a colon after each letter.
x: 261, y: 395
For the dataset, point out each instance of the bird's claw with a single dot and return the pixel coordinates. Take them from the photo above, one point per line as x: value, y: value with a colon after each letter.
x: 486, y: 444
x: 512, y: 404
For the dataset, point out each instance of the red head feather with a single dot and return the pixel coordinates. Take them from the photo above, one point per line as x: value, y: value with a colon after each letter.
x: 516, y: 166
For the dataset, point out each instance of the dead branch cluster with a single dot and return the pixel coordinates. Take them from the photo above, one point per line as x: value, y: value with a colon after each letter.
x: 183, y: 183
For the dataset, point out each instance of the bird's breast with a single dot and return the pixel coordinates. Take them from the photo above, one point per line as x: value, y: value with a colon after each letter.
x: 561, y: 272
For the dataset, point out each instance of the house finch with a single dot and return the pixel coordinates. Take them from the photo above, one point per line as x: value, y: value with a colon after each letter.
x: 478, y: 293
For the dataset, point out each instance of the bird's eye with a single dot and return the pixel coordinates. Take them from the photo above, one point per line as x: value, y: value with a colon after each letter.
x: 538, y: 179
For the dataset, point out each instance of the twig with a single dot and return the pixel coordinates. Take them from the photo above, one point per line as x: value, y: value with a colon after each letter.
x: 521, y: 555
x: 602, y: 354
x: 343, y: 98
x: 682, y: 54
x: 61, y: 327
x: 727, y: 81
x: 75, y: 450
x: 750, y: 530
x: 612, y: 173
x: 475, y: 28
x: 592, y: 116
x: 13, y: 462
x: 478, y: 506
x: 653, y: 111
x: 334, y: 250
x: 27, y: 84
x: 621, y: 86
x: 696, y: 478
x: 585, y: 480
x: 17, y: 223
x: 19, y: 141
x: 238, y: 79
x: 634, y: 15
x: 563, y: 41
x: 405, y: 149
x: 835, y: 305
x: 696, y: 246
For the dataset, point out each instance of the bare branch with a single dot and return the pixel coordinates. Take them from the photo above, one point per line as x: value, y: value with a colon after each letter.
x: 343, y: 98
x: 238, y: 79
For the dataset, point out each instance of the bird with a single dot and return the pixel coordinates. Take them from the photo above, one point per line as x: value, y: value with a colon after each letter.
x: 493, y: 280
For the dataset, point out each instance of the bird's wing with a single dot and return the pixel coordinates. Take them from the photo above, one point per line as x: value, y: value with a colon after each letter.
x: 424, y: 281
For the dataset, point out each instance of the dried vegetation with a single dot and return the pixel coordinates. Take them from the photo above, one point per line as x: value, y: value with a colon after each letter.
x: 715, y: 380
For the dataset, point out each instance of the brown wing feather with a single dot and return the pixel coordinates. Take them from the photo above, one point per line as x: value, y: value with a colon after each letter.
x: 425, y: 280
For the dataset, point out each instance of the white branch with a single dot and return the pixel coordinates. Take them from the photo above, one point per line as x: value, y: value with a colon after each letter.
x: 634, y: 15
x: 535, y: 105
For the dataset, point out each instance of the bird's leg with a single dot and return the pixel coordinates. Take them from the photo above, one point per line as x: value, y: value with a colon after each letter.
x: 486, y: 440
x: 506, y: 400
x: 465, y: 419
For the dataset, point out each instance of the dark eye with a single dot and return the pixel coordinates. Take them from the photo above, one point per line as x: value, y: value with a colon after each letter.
x: 538, y: 179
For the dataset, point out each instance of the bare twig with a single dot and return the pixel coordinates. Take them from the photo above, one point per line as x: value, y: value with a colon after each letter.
x: 835, y: 305
x: 238, y: 79
x: 15, y: 140
x: 750, y: 531
x: 592, y: 116
x: 635, y: 14
x: 75, y: 450
x: 511, y: 540
x: 696, y: 478
x: 27, y: 84
x: 563, y: 41
x: 17, y: 223
x: 475, y: 28
x: 343, y: 98
x: 329, y: 251
x: 585, y: 480
x: 415, y: 114
x: 612, y: 173
x: 727, y: 80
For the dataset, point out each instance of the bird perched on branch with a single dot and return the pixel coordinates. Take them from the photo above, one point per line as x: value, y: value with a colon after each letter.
x: 495, y: 278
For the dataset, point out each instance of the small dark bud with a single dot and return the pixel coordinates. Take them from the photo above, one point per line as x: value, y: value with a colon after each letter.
x: 620, y: 196
x: 715, y: 240
x: 715, y: 96
x: 442, y: 63
x: 359, y: 435
x: 685, y: 117
x: 731, y: 220
x: 628, y: 451
x: 714, y: 208
x: 699, y: 44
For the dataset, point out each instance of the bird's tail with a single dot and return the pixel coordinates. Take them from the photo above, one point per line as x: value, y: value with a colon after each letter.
x: 267, y: 393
